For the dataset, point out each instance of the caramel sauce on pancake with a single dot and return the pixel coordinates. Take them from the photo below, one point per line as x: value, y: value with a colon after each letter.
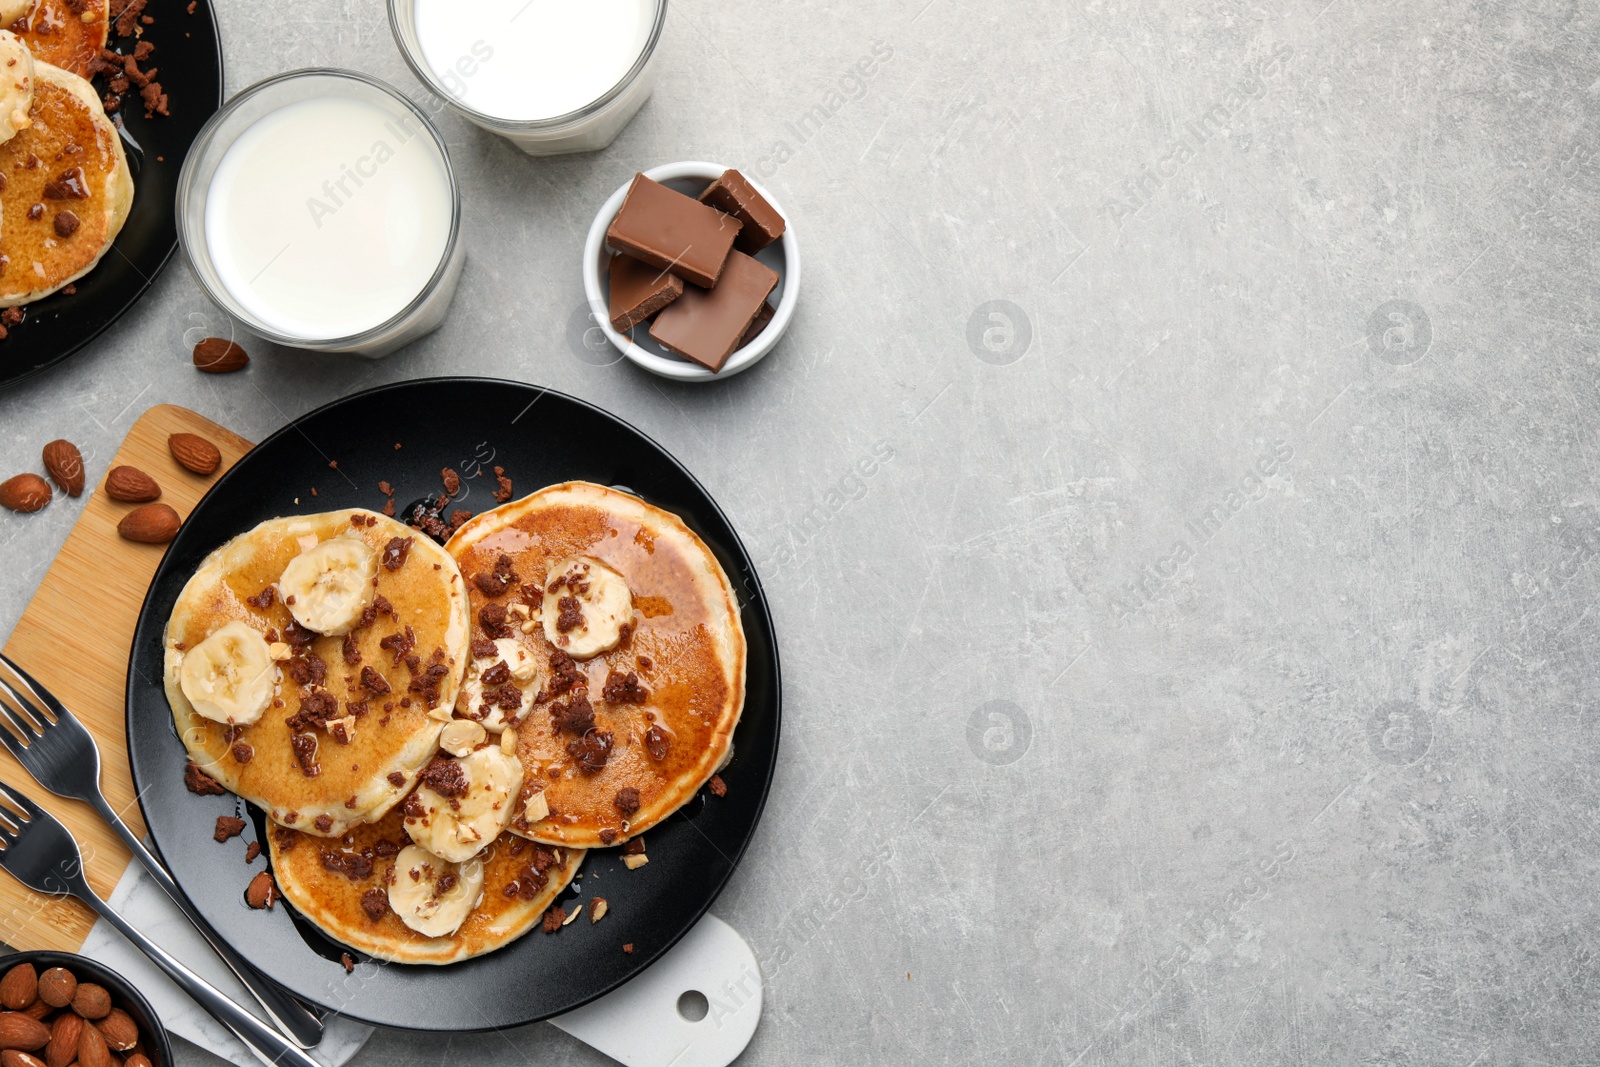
x: 393, y: 734
x: 67, y: 161
x: 57, y: 34
x: 315, y: 875
x: 695, y: 682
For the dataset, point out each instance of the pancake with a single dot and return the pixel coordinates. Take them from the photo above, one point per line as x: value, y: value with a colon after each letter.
x: 326, y: 881
x: 64, y: 33
x: 67, y: 189
x: 668, y: 695
x: 360, y: 749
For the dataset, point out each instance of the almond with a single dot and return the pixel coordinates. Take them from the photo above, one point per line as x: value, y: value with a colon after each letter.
x: 138, y: 1059
x: 19, y: 987
x: 63, y: 1046
x: 216, y: 356
x: 131, y: 485
x: 12, y: 1058
x: 37, y: 1010
x: 19, y: 1031
x: 91, y: 1001
x: 25, y: 493
x: 153, y: 524
x: 92, y: 1050
x: 262, y: 891
x: 64, y: 464
x: 119, y: 1030
x: 56, y: 987
x: 195, y: 453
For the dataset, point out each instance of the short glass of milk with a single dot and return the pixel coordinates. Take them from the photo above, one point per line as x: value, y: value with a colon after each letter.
x: 320, y: 209
x: 552, y: 76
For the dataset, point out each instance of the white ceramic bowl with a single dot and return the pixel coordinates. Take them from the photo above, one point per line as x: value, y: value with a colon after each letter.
x: 782, y: 255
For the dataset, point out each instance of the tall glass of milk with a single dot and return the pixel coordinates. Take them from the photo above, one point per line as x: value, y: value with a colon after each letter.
x: 319, y: 208
x: 552, y: 76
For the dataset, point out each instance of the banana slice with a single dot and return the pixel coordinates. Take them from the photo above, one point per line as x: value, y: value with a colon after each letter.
x: 461, y: 805
x: 522, y: 672
x: 16, y: 77
x: 230, y: 677
x: 12, y: 10
x: 329, y: 585
x: 432, y: 895
x: 586, y: 605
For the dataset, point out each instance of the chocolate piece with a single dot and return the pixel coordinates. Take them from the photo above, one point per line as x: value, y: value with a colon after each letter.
x: 734, y: 194
x: 758, y: 324
x: 670, y: 231
x: 706, y: 326
x: 638, y: 291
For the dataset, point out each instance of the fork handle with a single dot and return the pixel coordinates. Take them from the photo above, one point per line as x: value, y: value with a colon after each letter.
x: 269, y: 1045
x: 295, y: 1019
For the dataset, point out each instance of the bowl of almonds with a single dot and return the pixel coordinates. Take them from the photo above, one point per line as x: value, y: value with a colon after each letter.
x: 60, y: 1010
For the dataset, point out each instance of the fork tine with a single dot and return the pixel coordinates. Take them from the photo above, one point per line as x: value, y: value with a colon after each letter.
x: 20, y: 802
x: 25, y: 724
x: 12, y: 743
x: 42, y: 697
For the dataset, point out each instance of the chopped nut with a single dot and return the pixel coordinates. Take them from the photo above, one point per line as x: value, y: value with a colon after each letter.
x: 508, y: 741
x: 263, y: 891
x: 597, y: 910
x: 633, y: 863
x: 537, y: 808
x: 575, y: 913
x: 460, y: 736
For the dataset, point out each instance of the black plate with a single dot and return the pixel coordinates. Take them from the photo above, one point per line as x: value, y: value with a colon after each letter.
x: 188, y: 56
x: 540, y: 438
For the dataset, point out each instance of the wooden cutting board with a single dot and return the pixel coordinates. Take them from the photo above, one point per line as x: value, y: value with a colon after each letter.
x: 74, y: 638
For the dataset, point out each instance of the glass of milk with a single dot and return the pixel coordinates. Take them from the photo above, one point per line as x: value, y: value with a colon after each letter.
x: 552, y: 76
x: 319, y: 208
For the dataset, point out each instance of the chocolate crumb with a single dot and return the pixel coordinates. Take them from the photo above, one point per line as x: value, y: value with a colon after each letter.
x: 349, y: 964
x: 199, y: 782
x: 251, y: 851
x: 591, y: 750
x: 396, y: 552
x: 227, y: 826
x: 719, y: 788
x: 624, y: 689
x: 554, y: 918
x: 374, y: 902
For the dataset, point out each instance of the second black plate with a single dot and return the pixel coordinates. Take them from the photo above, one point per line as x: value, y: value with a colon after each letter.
x: 189, y: 57
x: 471, y: 425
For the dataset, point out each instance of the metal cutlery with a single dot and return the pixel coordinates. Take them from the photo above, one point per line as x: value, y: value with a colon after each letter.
x: 38, y: 851
x: 54, y: 747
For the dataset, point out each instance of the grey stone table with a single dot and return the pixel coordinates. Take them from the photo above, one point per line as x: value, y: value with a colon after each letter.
x: 1197, y: 678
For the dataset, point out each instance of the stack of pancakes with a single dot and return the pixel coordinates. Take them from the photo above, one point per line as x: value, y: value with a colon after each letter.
x: 438, y: 733
x: 65, y: 187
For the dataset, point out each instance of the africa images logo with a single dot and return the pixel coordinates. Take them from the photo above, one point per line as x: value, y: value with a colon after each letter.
x: 1142, y: 188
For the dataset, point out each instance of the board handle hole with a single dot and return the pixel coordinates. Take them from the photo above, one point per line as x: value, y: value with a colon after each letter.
x: 693, y: 1006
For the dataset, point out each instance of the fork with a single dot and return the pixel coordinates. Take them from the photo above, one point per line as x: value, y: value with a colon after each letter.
x: 39, y: 852
x: 62, y: 756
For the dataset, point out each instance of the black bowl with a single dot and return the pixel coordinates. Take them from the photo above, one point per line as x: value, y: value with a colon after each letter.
x: 123, y: 995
